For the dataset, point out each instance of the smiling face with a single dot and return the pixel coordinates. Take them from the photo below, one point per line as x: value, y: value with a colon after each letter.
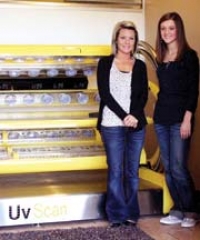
x: 168, y: 31
x: 126, y: 41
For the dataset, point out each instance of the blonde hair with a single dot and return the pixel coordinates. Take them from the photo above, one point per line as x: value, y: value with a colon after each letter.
x: 123, y: 25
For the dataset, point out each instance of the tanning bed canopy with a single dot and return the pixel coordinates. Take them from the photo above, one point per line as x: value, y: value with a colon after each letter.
x: 127, y: 4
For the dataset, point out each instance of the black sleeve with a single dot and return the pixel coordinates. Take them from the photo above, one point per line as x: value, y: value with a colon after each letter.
x: 140, y: 89
x: 192, y: 65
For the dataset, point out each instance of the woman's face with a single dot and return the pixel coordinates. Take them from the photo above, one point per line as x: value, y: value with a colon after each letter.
x: 126, y: 41
x: 168, y: 31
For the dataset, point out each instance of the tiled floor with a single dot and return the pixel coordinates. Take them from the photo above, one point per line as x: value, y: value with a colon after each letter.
x: 150, y: 225
x: 163, y: 232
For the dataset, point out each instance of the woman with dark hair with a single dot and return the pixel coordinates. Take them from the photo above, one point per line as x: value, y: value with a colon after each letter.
x: 178, y: 75
x: 123, y: 88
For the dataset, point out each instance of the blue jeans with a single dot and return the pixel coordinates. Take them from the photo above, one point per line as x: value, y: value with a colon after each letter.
x: 123, y: 149
x: 174, y: 156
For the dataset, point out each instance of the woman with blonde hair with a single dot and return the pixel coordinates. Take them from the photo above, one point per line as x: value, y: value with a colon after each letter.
x: 123, y: 88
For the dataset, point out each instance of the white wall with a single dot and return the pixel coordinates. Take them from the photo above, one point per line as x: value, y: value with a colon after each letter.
x: 30, y: 24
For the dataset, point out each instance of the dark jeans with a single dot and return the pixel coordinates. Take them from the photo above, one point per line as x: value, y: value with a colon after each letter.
x: 174, y: 156
x: 123, y: 149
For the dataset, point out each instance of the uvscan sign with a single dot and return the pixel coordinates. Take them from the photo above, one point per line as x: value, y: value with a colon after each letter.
x: 36, y: 210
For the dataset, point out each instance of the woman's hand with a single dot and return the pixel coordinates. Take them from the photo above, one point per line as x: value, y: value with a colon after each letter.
x: 130, y: 121
x: 185, y: 129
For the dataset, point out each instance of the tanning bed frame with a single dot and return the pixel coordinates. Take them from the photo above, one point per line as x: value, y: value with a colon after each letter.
x: 14, y: 55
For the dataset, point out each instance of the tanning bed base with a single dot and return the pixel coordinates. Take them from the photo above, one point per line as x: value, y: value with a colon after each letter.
x: 64, y: 196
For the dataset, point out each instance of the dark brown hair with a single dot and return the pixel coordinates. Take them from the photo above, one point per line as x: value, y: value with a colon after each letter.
x: 183, y: 45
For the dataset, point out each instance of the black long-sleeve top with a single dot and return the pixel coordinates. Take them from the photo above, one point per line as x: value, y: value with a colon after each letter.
x: 179, y: 89
x: 139, y: 91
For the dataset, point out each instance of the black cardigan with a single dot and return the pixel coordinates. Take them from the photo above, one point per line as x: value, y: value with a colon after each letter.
x: 139, y: 91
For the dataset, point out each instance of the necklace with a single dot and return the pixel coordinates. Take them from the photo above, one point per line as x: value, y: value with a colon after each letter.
x: 124, y: 65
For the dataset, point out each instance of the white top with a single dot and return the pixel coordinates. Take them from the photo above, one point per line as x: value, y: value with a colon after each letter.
x: 120, y: 89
